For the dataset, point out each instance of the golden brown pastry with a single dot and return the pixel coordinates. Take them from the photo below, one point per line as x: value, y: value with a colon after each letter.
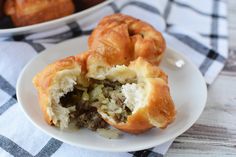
x: 131, y: 98
x: 122, y: 38
x: 29, y: 12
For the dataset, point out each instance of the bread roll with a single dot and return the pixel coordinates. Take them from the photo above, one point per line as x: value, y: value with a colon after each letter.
x: 29, y: 12
x: 122, y: 38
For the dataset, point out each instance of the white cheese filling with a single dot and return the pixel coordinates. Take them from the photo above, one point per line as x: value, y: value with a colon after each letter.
x: 134, y: 96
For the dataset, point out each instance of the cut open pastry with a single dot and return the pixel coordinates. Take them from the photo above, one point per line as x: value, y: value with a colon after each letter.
x: 131, y: 98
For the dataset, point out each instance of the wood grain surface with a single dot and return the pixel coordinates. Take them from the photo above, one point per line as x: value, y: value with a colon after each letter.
x: 214, y: 134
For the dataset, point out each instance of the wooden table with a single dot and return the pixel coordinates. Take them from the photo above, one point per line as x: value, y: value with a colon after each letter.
x: 214, y: 134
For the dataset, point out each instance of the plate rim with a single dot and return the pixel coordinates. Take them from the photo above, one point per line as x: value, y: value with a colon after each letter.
x: 57, y: 22
x: 111, y: 149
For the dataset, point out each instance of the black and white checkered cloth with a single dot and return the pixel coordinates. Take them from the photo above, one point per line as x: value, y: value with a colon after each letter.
x: 196, y: 28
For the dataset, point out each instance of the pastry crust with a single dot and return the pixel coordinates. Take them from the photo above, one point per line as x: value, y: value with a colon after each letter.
x: 122, y: 38
x: 29, y: 12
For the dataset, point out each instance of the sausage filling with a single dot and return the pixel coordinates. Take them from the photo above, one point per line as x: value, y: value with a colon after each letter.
x: 105, y: 96
x: 85, y: 115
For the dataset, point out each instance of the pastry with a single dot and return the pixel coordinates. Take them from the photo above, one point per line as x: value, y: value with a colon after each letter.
x: 131, y: 98
x: 127, y: 38
x: 29, y: 12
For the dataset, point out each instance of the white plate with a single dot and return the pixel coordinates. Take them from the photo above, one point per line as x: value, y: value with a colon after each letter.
x: 187, y: 86
x: 53, y: 23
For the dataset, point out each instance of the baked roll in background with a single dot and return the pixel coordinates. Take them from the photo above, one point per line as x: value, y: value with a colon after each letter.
x: 29, y: 12
x: 127, y: 37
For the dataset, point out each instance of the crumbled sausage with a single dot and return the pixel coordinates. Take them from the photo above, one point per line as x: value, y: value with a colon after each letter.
x: 86, y: 115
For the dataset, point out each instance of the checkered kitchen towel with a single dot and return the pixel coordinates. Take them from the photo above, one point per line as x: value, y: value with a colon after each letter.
x: 197, y: 28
